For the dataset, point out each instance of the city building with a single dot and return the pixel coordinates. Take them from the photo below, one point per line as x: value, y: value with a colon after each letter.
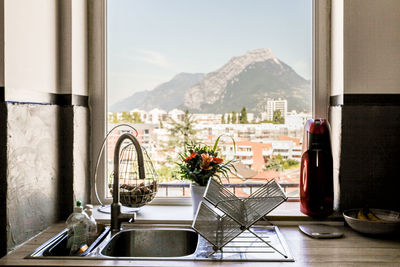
x: 294, y: 118
x: 156, y: 116
x: 176, y: 114
x: 273, y: 105
x: 142, y: 114
x: 207, y: 118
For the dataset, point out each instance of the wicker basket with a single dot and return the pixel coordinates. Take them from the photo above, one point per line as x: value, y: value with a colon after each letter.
x: 138, y: 179
x: 137, y: 196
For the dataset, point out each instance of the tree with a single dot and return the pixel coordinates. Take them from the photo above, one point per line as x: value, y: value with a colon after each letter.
x: 290, y: 163
x: 165, y: 174
x: 114, y: 118
x: 127, y: 117
x: 234, y: 118
x: 223, y: 119
x: 136, y: 117
x: 277, y: 117
x: 182, y: 133
x: 243, y: 116
x: 275, y: 163
x: 229, y: 118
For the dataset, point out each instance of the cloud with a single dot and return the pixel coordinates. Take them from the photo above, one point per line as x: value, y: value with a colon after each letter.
x: 152, y: 57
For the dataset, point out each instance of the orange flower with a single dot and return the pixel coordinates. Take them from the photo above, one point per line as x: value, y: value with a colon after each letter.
x: 206, y: 160
x: 217, y: 160
x: 190, y: 157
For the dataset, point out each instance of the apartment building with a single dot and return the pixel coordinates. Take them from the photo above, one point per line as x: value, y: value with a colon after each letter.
x: 272, y: 105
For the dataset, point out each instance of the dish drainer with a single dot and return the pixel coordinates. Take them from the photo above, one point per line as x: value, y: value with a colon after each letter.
x: 222, y: 216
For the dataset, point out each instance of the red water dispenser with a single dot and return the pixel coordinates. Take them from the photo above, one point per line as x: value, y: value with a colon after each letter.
x: 316, y: 172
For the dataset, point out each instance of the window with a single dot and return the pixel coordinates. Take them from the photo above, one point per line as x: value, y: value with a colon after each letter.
x: 177, y: 47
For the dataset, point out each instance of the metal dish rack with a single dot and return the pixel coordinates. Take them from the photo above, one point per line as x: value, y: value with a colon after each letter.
x: 231, y: 215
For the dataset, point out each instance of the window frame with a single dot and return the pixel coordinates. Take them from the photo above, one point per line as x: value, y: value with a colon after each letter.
x: 97, y: 38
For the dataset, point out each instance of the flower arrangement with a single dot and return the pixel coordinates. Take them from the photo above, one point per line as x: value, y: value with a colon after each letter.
x: 201, y: 162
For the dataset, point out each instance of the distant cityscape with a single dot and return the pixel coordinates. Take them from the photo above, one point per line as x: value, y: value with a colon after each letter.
x: 265, y: 146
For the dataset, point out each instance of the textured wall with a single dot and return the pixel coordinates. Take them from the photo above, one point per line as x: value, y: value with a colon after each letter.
x: 65, y: 159
x: 47, y: 167
x: 370, y: 156
x: 81, y: 179
x: 43, y: 147
x: 33, y: 170
x: 3, y: 179
x: 335, y: 119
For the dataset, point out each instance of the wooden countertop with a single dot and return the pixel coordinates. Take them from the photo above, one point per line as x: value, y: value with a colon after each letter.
x: 352, y: 250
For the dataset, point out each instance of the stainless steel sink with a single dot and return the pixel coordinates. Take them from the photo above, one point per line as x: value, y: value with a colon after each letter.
x: 56, y: 247
x: 152, y: 243
x: 170, y: 243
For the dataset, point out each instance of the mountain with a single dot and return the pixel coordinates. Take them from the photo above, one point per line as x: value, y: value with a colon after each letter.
x: 166, y: 96
x: 244, y: 81
x: 247, y: 81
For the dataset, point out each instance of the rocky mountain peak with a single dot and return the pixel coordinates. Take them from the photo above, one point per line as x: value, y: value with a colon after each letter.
x: 212, y: 87
x: 244, y: 81
x: 260, y: 54
x: 185, y: 75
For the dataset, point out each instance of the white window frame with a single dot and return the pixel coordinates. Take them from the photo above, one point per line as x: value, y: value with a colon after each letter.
x: 97, y: 37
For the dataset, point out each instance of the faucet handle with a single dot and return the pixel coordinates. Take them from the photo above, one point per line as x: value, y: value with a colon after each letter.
x: 128, y: 217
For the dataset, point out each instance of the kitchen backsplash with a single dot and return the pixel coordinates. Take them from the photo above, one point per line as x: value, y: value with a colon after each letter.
x: 47, y: 166
x: 369, y: 153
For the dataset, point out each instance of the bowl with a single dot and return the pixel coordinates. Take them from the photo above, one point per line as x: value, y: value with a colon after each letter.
x: 389, y: 222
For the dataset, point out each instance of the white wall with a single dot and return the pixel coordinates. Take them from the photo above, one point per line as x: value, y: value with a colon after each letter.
x: 30, y: 47
x: 45, y: 48
x: 2, y: 43
x: 365, y: 46
x: 372, y: 46
x: 337, y: 47
x: 79, y: 48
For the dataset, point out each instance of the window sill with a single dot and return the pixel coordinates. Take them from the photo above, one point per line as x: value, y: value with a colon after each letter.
x: 286, y: 214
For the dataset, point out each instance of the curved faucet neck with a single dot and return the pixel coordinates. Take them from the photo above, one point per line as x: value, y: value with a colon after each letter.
x: 139, y: 153
x: 116, y: 215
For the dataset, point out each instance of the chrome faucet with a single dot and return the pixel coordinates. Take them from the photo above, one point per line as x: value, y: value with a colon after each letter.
x: 116, y: 216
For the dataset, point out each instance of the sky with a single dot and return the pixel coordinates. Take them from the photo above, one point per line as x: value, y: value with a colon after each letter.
x: 150, y: 41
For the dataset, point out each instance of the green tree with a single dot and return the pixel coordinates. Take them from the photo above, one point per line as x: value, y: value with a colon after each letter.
x: 243, y: 116
x: 234, y: 117
x: 114, y: 118
x: 223, y: 119
x: 274, y: 163
x: 229, y: 118
x: 165, y: 174
x: 182, y: 132
x: 290, y: 164
x: 277, y: 117
x: 127, y: 117
x: 136, y: 117
x: 277, y: 163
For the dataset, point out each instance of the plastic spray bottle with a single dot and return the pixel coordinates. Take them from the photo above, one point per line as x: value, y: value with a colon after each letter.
x: 78, y: 230
x: 92, y: 223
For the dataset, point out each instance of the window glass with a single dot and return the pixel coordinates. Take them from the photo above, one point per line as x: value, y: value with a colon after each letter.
x: 232, y: 68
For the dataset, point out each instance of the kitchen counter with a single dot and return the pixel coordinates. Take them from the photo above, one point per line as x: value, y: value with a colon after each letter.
x: 352, y: 250
x: 287, y: 211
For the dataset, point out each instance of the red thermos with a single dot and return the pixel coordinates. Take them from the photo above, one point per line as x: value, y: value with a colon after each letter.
x: 316, y: 172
